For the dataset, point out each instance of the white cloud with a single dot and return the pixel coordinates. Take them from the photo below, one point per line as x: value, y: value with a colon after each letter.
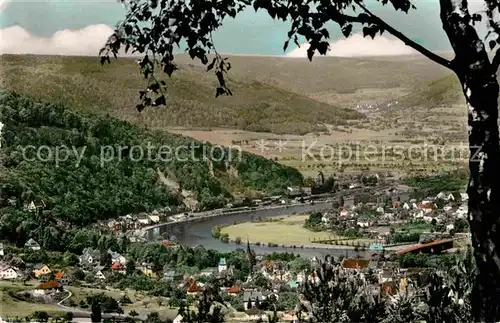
x: 357, y: 45
x: 3, y: 4
x: 86, y: 41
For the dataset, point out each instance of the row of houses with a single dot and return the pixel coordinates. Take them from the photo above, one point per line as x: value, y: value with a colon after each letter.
x: 39, y: 271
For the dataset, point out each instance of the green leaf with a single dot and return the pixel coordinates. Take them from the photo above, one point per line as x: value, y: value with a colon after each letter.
x: 219, y: 92
x: 346, y: 30
x: 220, y: 78
x: 154, y: 87
x: 169, y: 68
x: 310, y: 52
x: 370, y: 31
x: 285, y: 46
x: 204, y: 59
x: 211, y: 65
x: 160, y: 101
x: 323, y: 47
x: 105, y: 59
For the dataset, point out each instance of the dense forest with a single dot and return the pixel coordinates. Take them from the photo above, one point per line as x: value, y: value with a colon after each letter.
x: 86, y: 185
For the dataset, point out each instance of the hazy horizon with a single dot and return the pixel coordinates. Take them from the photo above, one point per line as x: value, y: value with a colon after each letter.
x: 81, y: 28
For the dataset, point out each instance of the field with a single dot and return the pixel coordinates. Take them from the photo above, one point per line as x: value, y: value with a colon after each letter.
x: 419, y: 227
x: 13, y: 307
x: 353, y: 151
x: 405, y: 114
x: 141, y: 303
x: 287, y: 231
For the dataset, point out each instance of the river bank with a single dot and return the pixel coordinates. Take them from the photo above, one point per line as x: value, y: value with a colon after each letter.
x: 200, y: 233
x: 288, y: 231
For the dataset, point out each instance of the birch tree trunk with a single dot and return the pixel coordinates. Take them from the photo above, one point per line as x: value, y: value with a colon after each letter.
x: 480, y: 86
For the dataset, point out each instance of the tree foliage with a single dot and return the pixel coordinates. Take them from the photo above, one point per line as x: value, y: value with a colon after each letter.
x: 85, y: 186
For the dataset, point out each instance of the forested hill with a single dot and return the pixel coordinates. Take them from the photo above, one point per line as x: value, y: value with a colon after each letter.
x: 80, y: 191
x: 82, y: 83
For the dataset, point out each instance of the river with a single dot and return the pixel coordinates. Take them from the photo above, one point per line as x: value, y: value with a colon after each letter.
x: 200, y: 233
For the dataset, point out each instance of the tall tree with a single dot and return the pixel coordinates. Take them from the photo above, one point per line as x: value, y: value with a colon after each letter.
x: 96, y: 315
x: 153, y: 28
x: 251, y: 259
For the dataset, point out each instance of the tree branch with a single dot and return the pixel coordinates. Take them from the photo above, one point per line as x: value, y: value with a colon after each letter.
x: 496, y: 61
x: 407, y: 41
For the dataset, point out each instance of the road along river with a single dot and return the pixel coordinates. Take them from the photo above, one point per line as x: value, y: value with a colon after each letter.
x: 199, y: 233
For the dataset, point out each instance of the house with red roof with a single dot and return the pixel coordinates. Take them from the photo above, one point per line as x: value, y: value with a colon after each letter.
x: 194, y: 289
x: 47, y: 287
x: 60, y: 277
x: 352, y: 263
x: 118, y: 267
x: 234, y: 290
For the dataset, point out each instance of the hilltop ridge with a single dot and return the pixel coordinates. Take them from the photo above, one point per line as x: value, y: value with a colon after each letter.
x: 82, y: 83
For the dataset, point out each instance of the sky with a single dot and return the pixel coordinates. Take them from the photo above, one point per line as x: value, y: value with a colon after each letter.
x: 80, y: 27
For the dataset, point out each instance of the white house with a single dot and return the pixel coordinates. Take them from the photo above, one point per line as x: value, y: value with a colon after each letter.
x: 9, y: 272
x: 30, y: 207
x: 116, y: 257
x: 441, y: 195
x: 32, y: 244
x: 418, y: 214
x: 144, y: 220
x: 154, y: 218
x: 90, y: 257
x: 380, y: 210
x: 363, y: 224
x: 450, y: 227
x: 406, y: 206
x: 251, y: 297
x: 326, y: 218
x: 178, y: 319
x: 99, y: 275
x: 464, y: 196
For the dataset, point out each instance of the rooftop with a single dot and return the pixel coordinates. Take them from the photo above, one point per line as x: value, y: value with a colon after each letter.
x: 49, y: 285
x: 355, y: 263
x: 423, y: 246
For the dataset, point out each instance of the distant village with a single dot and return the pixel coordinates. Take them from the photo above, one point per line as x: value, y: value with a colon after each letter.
x: 269, y: 280
x: 366, y: 207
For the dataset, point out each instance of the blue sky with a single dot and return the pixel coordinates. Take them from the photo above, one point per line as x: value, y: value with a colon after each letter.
x: 249, y: 33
